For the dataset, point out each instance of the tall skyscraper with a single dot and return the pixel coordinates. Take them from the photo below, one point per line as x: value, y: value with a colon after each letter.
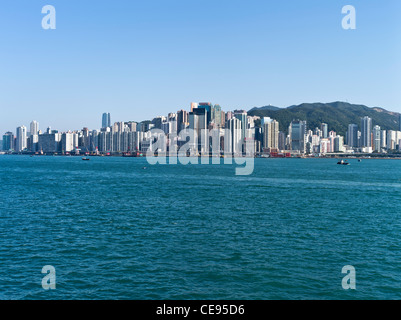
x: 232, y: 142
x: 8, y: 141
x: 270, y: 134
x: 383, y: 139
x: 325, y: 130
x: 376, y: 138
x: 106, y: 120
x: 34, y: 127
x: 21, y: 140
x: 366, y: 132
x: 297, y: 135
x: 198, y: 123
x: 241, y: 115
x: 352, y: 135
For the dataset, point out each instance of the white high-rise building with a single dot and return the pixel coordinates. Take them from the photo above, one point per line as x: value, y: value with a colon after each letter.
x: 21, y: 141
x: 198, y: 123
x: 376, y: 138
x: 383, y: 139
x: 233, y: 137
x: 338, y: 144
x: 34, y: 127
x: 366, y: 132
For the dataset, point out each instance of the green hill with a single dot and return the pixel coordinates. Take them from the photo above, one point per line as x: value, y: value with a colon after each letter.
x: 338, y: 115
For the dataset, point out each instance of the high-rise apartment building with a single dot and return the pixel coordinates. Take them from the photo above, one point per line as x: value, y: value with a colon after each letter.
x: 21, y: 140
x: 376, y: 138
x: 366, y: 132
x: 352, y: 135
x: 271, y: 134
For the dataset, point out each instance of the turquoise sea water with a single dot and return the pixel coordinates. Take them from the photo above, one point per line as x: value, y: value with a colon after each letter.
x: 113, y: 230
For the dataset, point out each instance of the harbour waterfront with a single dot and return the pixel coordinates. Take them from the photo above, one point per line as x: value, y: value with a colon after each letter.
x: 113, y: 230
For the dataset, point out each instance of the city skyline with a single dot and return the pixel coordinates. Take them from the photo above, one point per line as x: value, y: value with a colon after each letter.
x: 236, y: 132
x: 146, y: 58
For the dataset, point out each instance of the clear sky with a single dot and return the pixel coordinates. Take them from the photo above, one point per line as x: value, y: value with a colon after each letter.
x: 140, y: 59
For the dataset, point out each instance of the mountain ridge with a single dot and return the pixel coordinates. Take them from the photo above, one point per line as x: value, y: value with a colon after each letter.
x: 338, y: 115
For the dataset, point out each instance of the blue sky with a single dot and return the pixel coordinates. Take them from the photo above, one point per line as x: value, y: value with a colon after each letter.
x: 140, y: 59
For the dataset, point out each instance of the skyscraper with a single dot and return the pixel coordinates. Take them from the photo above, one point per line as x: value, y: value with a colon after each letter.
x: 241, y: 115
x: 325, y: 130
x: 366, y: 132
x: 383, y: 139
x: 232, y: 139
x: 106, y: 120
x: 270, y: 134
x: 34, y: 127
x: 376, y: 138
x: 21, y: 141
x: 352, y: 136
x: 8, y: 141
x: 198, y: 123
x: 297, y: 135
x: 216, y: 115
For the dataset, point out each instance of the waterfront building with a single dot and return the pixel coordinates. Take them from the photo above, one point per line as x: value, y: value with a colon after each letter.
x: 49, y: 142
x: 366, y: 132
x: 241, y: 115
x: 270, y: 134
x: 383, y: 139
x: 198, y: 123
x: 324, y: 146
x: 233, y: 142
x: 34, y: 128
x: 21, y: 139
x: 376, y: 138
x: 338, y: 144
x: 8, y: 141
x: 297, y: 135
x: 352, y: 135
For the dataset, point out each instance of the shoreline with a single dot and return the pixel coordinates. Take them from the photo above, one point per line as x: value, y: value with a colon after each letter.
x: 348, y: 157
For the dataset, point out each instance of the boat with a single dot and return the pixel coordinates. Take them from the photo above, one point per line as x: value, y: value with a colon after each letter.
x: 85, y: 159
x: 344, y: 163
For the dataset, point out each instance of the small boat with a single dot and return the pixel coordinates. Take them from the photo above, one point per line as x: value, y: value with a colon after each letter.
x: 85, y: 159
x: 359, y: 160
x: 344, y: 163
